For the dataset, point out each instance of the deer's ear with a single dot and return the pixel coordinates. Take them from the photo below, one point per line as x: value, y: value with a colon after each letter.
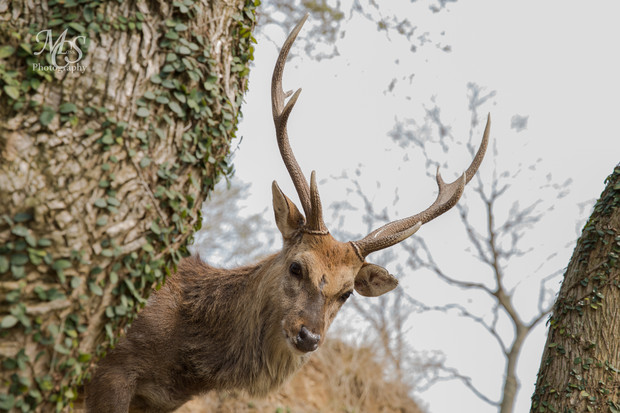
x: 288, y: 218
x: 373, y: 280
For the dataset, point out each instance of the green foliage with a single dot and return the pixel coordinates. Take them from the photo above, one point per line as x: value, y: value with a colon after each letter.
x: 184, y: 90
x: 21, y: 252
x: 20, y: 77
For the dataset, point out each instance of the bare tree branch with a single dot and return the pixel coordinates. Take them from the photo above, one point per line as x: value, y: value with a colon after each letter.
x: 496, y: 244
x: 464, y: 312
x: 467, y: 381
x: 429, y: 262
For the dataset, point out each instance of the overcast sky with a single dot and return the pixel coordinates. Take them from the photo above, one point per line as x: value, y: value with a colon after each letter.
x: 554, y: 62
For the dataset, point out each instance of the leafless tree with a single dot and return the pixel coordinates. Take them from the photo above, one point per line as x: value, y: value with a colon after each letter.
x: 329, y: 18
x: 387, y: 315
x: 495, y: 232
x: 229, y: 236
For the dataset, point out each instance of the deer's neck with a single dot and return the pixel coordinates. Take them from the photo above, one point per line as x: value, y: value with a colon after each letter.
x: 272, y: 359
x: 244, y: 327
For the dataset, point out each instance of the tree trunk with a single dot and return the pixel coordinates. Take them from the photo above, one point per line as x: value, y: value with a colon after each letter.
x: 579, y: 370
x: 110, y: 138
x: 511, y: 381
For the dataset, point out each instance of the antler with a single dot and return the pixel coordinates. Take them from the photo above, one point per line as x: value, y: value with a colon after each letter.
x: 309, y: 196
x: 449, y: 194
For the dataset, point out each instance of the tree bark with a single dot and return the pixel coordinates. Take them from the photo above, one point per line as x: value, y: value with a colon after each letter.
x: 579, y: 370
x: 104, y: 167
x: 511, y: 381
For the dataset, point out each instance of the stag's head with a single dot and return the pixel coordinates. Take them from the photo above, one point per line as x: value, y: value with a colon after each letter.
x: 317, y: 273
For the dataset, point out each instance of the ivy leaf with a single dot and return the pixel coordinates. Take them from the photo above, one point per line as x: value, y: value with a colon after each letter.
x: 61, y: 265
x: 113, y: 201
x: 20, y: 231
x: 132, y: 289
x: 168, y: 84
x: 179, y: 96
x: 107, y: 139
x: 47, y: 116
x: 77, y: 27
x: 22, y: 217
x: 26, y: 48
x: 160, y: 133
x: 4, y: 264
x: 101, y: 203
x: 180, y: 27
x: 7, y: 401
x: 12, y: 91
x: 62, y: 350
x: 8, y: 322
x: 84, y: 357
x: 172, y: 35
x: 176, y: 108
x: 6, y: 51
x: 75, y: 282
x: 155, y: 228
x: 68, y: 107
x: 143, y: 112
x: 95, y: 289
x: 19, y: 259
x: 113, y: 277
x: 88, y: 14
x: 18, y: 271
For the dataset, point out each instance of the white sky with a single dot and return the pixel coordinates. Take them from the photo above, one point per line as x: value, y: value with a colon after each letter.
x: 554, y: 61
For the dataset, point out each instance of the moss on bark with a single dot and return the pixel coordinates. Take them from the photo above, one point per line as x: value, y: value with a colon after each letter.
x: 105, y: 163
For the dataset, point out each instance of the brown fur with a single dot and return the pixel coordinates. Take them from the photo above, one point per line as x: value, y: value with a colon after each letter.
x: 210, y: 328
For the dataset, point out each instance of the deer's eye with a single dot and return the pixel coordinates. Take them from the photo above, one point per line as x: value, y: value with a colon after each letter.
x: 345, y: 296
x: 295, y: 269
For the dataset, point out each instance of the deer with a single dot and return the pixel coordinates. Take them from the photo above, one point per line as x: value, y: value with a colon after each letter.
x: 251, y: 328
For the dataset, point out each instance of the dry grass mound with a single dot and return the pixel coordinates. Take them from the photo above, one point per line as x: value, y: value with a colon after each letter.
x: 338, y: 378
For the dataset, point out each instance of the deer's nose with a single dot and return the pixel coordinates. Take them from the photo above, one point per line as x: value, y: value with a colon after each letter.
x: 306, y: 340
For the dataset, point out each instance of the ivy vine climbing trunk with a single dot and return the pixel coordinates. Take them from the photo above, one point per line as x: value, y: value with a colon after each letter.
x: 115, y: 122
x: 580, y: 368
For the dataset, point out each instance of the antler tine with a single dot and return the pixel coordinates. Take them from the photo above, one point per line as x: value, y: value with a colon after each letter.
x: 449, y: 194
x: 315, y: 219
x: 475, y: 163
x: 280, y: 118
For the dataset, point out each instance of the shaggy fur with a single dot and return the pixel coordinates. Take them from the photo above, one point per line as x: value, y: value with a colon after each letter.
x: 201, y: 331
x: 214, y: 329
